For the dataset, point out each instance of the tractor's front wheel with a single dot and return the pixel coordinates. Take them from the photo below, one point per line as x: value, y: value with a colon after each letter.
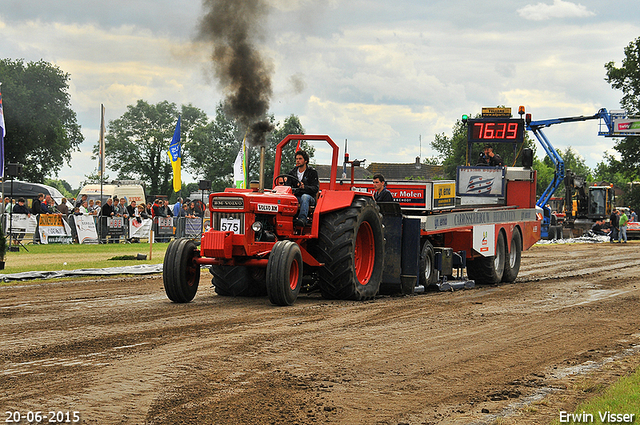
x: 180, y: 274
x: 284, y: 273
x: 351, y: 246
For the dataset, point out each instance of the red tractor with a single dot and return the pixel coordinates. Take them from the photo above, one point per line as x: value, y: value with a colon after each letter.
x: 254, y: 249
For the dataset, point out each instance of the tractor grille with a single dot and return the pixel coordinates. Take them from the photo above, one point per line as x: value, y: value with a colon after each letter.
x: 227, y: 220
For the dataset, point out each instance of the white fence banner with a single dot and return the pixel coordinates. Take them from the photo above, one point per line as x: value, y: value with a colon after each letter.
x: 140, y: 230
x: 86, y: 228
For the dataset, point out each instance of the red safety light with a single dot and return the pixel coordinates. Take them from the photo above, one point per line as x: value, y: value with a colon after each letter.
x: 528, y: 119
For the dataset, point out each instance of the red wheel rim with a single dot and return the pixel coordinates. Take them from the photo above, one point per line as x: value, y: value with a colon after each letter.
x: 294, y: 272
x: 192, y: 272
x: 365, y: 253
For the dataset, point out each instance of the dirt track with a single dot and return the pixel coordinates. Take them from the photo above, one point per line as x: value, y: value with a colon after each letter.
x: 117, y: 351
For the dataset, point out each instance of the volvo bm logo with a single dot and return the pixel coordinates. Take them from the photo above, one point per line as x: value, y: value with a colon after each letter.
x: 227, y: 203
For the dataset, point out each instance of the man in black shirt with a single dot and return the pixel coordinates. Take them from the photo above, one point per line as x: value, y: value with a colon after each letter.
x: 307, y: 186
x: 489, y: 157
x: 599, y: 229
x: 381, y: 193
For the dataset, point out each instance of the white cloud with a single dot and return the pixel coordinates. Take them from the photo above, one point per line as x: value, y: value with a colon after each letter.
x: 559, y: 9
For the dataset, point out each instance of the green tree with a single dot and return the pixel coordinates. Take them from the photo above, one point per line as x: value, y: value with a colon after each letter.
x: 42, y: 130
x: 136, y: 144
x: 61, y: 185
x: 627, y: 79
x: 546, y: 170
x: 212, y: 150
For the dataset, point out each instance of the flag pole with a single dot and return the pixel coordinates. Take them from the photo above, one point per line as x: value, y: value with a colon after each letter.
x: 101, y: 166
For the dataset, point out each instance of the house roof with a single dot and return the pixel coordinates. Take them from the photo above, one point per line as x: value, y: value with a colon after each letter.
x: 411, y: 171
x: 390, y: 171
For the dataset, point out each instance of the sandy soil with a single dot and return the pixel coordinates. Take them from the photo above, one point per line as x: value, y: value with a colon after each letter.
x: 118, y: 351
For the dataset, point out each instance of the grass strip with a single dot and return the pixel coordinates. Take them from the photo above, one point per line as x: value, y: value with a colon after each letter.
x: 77, y: 256
x: 620, y: 399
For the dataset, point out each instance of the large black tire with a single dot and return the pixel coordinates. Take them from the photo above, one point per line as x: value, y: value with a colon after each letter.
x: 428, y: 273
x: 489, y: 270
x: 351, y: 246
x: 237, y: 281
x: 512, y: 262
x: 180, y: 274
x: 284, y: 273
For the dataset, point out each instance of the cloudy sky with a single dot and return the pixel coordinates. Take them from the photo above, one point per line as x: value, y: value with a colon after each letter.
x: 381, y: 74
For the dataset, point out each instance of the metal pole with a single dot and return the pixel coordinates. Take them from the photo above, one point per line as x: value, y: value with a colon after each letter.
x: 261, y: 186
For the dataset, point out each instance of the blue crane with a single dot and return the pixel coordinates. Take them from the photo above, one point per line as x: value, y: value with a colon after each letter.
x: 606, y: 121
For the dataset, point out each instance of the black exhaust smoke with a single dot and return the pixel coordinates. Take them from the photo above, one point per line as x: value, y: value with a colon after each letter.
x: 234, y: 26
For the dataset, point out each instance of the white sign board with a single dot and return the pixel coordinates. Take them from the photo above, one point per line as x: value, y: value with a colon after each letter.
x: 140, y: 229
x: 86, y: 228
x: 484, y: 240
x: 480, y: 181
x: 626, y: 126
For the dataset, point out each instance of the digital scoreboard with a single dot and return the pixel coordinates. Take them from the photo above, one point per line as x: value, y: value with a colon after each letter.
x: 495, y: 130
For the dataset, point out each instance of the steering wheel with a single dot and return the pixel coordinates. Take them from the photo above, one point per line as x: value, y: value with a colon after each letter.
x: 289, y: 176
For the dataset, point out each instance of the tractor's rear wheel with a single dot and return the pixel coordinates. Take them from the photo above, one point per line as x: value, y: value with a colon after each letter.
x: 351, y: 246
x: 180, y: 274
x: 238, y: 281
x: 489, y: 270
x: 284, y: 273
x: 512, y: 262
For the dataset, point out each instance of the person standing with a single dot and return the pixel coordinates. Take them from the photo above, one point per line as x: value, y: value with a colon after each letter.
x: 176, y: 207
x: 63, y: 208
x: 622, y: 226
x: 613, y: 223
x: 36, y: 204
x: 20, y: 208
x: 106, y: 212
x: 381, y: 193
x: 490, y: 158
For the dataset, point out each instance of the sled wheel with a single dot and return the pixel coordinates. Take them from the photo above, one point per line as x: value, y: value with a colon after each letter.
x: 428, y: 273
x: 351, y: 246
x: 489, y: 270
x: 512, y: 263
x: 181, y: 275
x: 284, y: 273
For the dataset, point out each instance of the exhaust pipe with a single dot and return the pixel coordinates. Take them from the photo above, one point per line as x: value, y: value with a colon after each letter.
x: 261, y: 185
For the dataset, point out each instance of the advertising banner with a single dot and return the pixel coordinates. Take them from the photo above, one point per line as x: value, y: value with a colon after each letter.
x: 626, y: 126
x: 86, y: 228
x: 165, y: 226
x: 141, y: 229
x: 193, y: 226
x: 53, y: 229
x: 20, y: 223
x: 480, y: 181
x: 115, y: 226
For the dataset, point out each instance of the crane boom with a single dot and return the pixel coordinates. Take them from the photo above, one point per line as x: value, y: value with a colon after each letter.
x: 536, y: 128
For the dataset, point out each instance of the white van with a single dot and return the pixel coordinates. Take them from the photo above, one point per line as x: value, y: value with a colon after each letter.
x: 130, y: 192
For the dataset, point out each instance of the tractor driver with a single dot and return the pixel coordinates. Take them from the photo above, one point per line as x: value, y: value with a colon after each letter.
x: 307, y: 189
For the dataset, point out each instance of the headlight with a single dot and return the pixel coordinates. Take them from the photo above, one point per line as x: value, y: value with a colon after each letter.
x: 256, y: 227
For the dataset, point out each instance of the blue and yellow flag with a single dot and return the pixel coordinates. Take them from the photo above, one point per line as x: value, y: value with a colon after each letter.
x: 3, y: 132
x: 175, y: 155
